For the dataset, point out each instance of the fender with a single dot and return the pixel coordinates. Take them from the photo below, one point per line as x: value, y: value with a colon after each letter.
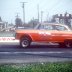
x: 26, y: 35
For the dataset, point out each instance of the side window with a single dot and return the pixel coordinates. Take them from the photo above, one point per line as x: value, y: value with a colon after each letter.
x: 48, y: 27
x: 60, y: 28
x: 45, y: 27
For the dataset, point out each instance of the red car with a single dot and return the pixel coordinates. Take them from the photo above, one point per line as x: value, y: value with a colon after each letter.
x: 45, y: 33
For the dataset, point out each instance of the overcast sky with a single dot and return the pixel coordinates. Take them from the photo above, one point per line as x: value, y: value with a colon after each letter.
x: 10, y: 8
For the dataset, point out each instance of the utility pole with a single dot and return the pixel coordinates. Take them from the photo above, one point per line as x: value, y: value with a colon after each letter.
x: 38, y: 11
x: 47, y: 17
x: 23, y: 6
x: 41, y: 16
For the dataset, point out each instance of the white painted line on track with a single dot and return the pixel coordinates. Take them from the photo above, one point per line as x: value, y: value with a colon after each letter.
x: 50, y: 52
x: 42, y: 52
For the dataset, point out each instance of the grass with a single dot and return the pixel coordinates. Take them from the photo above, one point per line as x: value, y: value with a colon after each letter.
x: 37, y: 67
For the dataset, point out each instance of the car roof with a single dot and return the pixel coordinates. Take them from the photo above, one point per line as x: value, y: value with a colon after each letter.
x: 53, y: 24
x: 60, y: 24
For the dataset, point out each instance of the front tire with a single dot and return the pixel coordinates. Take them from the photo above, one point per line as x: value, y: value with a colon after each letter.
x: 25, y: 42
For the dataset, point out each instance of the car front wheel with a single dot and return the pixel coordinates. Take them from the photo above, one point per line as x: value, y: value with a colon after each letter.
x: 25, y: 42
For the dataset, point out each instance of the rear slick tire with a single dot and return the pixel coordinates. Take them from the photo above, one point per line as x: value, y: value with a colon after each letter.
x: 68, y: 44
x: 62, y: 45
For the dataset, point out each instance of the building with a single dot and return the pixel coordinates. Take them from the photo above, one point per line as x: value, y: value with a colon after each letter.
x: 3, y: 25
x: 64, y: 18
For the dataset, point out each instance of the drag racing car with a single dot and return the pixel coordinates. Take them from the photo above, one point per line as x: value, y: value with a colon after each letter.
x: 45, y: 33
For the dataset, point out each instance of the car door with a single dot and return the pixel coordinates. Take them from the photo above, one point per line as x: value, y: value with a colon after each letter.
x: 59, y: 34
x: 45, y: 33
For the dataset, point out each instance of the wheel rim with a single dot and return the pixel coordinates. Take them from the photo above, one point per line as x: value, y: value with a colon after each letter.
x: 25, y: 43
x: 68, y: 44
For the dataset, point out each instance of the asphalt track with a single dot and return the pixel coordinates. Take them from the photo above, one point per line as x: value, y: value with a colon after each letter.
x: 11, y: 52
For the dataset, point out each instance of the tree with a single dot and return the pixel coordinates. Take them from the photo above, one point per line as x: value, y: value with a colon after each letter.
x: 53, y: 19
x: 18, y: 22
x: 34, y: 22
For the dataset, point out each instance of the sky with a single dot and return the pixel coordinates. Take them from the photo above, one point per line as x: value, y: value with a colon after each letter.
x: 10, y: 8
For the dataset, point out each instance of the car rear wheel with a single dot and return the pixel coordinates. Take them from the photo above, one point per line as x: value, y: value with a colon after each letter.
x: 25, y: 42
x: 62, y: 45
x: 68, y: 44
